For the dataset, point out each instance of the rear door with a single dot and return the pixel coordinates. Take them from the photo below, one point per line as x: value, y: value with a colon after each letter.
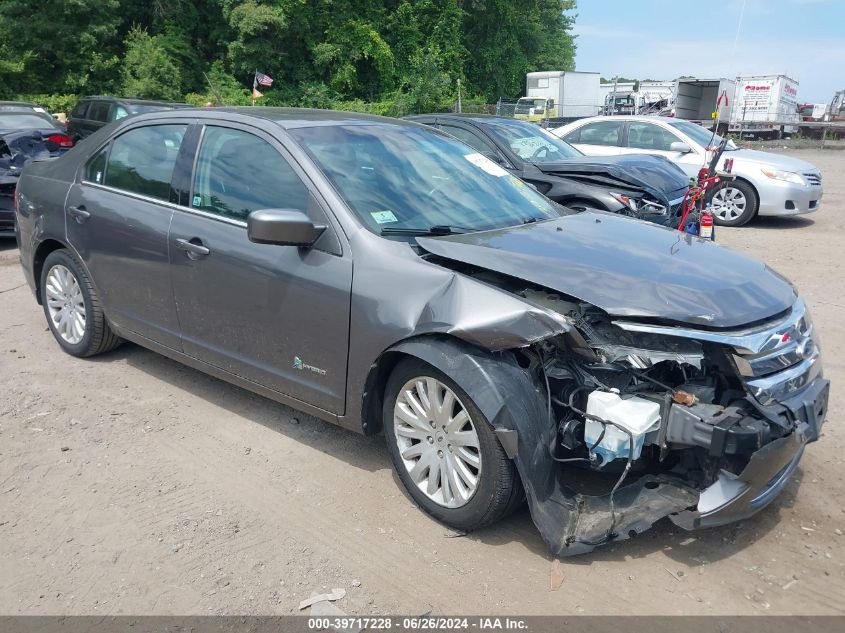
x: 599, y: 138
x: 275, y: 315
x: 118, y: 215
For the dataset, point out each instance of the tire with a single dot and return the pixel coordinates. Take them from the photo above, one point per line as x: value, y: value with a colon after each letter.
x: 72, y: 308
x: 741, y: 207
x: 498, y: 490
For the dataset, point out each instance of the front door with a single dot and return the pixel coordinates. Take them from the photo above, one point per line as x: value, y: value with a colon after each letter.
x: 275, y: 315
x: 117, y: 219
x: 648, y: 138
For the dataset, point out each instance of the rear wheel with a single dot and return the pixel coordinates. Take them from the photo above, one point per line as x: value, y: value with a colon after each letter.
x: 735, y: 204
x: 445, y: 451
x: 72, y: 307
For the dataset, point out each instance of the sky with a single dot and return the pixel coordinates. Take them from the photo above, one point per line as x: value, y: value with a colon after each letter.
x: 663, y: 39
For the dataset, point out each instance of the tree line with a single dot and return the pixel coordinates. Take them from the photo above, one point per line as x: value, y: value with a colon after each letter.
x: 405, y: 55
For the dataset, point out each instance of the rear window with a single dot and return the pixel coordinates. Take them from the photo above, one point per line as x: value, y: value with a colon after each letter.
x: 135, y: 108
x: 99, y: 111
x: 79, y: 110
x: 25, y: 121
x: 142, y: 160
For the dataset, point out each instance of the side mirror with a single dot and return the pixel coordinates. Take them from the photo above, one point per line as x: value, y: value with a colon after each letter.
x: 681, y: 148
x: 286, y: 227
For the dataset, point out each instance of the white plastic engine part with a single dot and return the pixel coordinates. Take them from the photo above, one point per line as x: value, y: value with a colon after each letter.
x: 637, y: 415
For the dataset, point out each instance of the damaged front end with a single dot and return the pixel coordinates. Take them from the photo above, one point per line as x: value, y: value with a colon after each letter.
x: 645, y: 421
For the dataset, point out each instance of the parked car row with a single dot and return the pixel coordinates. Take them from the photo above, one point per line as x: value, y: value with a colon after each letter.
x: 506, y: 346
x: 765, y: 184
x: 28, y: 132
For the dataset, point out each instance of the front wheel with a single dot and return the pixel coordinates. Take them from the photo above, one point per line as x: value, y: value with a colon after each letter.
x: 445, y: 451
x: 734, y: 204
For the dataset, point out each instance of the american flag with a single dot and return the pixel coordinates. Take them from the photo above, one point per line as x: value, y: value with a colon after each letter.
x: 264, y: 80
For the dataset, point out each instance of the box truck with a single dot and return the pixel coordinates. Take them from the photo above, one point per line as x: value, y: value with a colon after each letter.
x: 765, y: 106
x: 697, y: 99
x: 562, y: 95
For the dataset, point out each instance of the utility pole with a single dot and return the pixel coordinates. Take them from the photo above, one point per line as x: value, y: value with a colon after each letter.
x: 459, y: 95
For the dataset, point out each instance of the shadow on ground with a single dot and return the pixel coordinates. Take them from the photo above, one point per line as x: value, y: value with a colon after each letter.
x: 781, y: 222
x: 369, y: 454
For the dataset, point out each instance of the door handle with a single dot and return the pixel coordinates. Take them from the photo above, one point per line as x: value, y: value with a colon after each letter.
x: 193, y: 248
x: 78, y: 213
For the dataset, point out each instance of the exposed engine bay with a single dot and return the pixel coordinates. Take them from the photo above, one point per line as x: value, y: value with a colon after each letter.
x: 642, y: 425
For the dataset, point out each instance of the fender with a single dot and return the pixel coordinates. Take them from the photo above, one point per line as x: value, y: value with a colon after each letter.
x: 510, y: 391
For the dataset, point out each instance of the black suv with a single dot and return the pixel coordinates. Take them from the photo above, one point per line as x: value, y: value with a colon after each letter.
x: 91, y: 113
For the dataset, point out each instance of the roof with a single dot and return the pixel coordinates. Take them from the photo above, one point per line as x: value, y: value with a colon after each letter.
x: 23, y: 104
x: 290, y: 118
x: 132, y: 100
x: 464, y: 116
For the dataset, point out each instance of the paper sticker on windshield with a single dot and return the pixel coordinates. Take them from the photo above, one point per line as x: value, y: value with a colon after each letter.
x: 486, y: 164
x: 383, y: 217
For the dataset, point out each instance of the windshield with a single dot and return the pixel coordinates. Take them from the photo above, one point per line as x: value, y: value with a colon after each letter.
x: 531, y: 143
x: 700, y: 135
x: 407, y: 177
x: 25, y: 121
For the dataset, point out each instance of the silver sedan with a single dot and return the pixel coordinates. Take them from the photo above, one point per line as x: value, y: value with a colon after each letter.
x: 766, y: 183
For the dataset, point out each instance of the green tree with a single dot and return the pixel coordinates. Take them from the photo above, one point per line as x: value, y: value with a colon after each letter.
x: 52, y: 46
x: 147, y: 69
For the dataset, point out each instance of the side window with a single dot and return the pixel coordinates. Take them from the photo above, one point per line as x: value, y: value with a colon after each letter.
x: 78, y: 111
x: 238, y: 173
x: 95, y: 171
x: 601, y: 133
x: 470, y: 138
x: 118, y: 112
x: 98, y: 111
x: 650, y: 136
x: 142, y: 160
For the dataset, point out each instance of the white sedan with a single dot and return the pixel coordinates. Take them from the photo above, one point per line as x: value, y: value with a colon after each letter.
x: 766, y: 184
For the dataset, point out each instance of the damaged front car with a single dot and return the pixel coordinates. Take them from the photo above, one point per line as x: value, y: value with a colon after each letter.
x: 25, y: 135
x: 610, y: 371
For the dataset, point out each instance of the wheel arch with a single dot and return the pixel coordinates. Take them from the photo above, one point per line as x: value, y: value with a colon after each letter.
x: 43, y: 249
x: 750, y: 184
x: 479, y: 372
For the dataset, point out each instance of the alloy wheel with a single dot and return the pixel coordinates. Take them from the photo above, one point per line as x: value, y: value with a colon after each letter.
x: 437, y: 441
x: 66, y: 304
x: 729, y: 203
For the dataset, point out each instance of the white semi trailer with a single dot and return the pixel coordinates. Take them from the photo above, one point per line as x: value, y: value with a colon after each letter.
x: 765, y: 105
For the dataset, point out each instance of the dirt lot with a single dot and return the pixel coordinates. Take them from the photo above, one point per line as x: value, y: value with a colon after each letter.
x: 132, y: 484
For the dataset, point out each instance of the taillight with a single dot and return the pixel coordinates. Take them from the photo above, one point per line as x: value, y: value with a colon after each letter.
x: 62, y: 140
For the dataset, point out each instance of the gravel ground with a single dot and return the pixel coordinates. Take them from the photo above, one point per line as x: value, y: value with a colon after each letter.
x: 130, y: 484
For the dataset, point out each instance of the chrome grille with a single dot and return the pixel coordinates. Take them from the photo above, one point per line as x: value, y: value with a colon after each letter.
x: 813, y: 177
x: 774, y: 360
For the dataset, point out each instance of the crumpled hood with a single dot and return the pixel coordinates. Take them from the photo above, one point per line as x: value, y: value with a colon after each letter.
x: 627, y: 268
x: 655, y: 174
x: 777, y: 161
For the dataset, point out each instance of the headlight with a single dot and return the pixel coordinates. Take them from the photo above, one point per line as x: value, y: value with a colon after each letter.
x: 787, y: 176
x: 639, y: 205
x: 628, y: 201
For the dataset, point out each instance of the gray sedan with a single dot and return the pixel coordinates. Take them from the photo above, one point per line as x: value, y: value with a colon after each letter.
x: 383, y: 276
x: 766, y: 183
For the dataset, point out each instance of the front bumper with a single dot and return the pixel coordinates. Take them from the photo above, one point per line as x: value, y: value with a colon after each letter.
x: 735, y: 497
x: 786, y: 198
